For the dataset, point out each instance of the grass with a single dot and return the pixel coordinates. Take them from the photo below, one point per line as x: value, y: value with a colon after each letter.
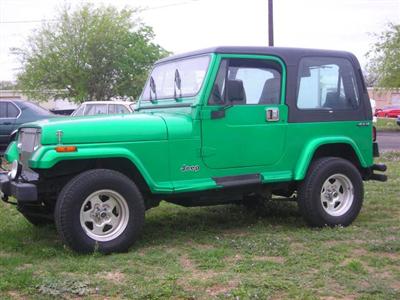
x: 387, y: 124
x: 222, y: 252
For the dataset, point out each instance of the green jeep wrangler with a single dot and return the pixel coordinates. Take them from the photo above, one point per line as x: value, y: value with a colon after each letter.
x: 221, y: 125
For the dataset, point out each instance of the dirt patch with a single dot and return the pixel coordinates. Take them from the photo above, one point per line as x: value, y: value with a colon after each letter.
x: 347, y: 297
x: 24, y: 267
x: 233, y: 259
x: 193, y: 274
x: 115, y: 277
x: 219, y: 289
x: 297, y: 247
x: 4, y: 255
x: 394, y: 256
x: 274, y: 259
x: 186, y: 263
x: 237, y: 232
x: 16, y: 295
x: 359, y: 252
x: 189, y: 266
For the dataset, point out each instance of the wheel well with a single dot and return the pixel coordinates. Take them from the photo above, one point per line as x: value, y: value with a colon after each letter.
x: 341, y: 150
x: 63, y: 171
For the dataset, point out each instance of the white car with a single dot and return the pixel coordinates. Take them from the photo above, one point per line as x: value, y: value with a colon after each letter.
x: 373, y: 107
x: 91, y: 108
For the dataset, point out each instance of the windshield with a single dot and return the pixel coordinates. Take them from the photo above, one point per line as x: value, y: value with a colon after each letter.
x: 191, y: 74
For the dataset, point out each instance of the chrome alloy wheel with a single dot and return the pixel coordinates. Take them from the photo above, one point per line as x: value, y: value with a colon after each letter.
x: 337, y: 195
x: 104, y: 215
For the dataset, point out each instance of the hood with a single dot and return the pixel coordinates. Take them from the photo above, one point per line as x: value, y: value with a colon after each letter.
x: 102, y: 129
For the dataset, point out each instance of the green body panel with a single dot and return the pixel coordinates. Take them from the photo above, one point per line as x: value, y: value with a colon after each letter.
x: 103, y: 129
x: 181, y: 149
x: 11, y: 153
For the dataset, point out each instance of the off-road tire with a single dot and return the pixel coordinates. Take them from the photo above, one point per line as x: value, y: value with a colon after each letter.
x: 72, y: 197
x: 309, y: 192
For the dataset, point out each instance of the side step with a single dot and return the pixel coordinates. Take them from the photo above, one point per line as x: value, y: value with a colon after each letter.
x: 239, y: 180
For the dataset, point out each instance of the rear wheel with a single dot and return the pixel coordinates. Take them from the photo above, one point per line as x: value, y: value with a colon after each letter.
x: 100, y: 209
x: 332, y: 193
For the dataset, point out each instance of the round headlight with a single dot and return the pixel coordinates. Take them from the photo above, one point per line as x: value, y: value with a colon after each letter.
x: 15, y: 170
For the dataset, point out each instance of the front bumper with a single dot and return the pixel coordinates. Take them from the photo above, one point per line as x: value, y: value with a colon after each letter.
x: 24, y: 192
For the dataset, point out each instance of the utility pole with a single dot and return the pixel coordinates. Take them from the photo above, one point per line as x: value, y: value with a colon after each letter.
x: 270, y: 23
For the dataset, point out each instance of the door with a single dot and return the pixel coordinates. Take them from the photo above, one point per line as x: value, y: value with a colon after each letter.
x: 8, y: 115
x: 245, y: 119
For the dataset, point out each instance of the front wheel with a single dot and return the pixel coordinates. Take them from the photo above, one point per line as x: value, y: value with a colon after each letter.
x: 332, y: 193
x: 100, y: 209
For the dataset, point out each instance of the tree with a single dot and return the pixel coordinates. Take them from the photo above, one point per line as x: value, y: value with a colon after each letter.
x: 88, y: 54
x: 7, y: 85
x: 385, y: 58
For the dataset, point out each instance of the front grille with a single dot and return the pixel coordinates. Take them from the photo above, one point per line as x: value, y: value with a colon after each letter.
x: 28, y: 142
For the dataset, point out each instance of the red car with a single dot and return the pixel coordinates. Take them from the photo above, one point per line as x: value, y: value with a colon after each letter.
x: 391, y: 111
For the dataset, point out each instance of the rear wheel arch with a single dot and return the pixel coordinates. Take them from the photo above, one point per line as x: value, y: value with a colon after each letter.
x: 343, y: 149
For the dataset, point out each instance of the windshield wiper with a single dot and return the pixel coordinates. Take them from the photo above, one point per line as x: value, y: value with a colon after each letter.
x: 178, y: 84
x: 153, y: 89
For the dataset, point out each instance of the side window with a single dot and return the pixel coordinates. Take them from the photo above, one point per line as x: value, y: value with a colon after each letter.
x: 12, y: 110
x: 96, y: 109
x: 111, y: 109
x: 122, y: 109
x: 326, y: 83
x: 3, y: 109
x: 247, y: 81
x: 79, y: 111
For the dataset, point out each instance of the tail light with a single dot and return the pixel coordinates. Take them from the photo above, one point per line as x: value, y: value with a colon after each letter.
x: 374, y: 133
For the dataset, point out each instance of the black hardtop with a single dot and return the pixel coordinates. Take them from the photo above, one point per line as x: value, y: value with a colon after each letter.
x: 289, y: 55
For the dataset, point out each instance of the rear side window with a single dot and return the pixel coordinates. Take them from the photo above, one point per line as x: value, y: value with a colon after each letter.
x: 96, y: 109
x: 8, y: 110
x: 12, y: 110
x: 120, y: 109
x: 326, y: 83
x: 3, y: 109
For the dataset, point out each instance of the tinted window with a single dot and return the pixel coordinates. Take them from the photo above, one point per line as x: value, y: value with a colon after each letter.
x: 327, y: 83
x: 3, y: 109
x: 36, y: 109
x: 247, y: 81
x: 12, y: 110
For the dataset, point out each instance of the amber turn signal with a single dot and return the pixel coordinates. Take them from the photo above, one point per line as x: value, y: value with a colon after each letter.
x: 66, y: 148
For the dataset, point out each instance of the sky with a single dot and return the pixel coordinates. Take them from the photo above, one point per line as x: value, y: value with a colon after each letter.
x: 185, y: 25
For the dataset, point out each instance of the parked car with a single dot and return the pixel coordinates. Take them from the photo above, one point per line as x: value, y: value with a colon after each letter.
x: 222, y: 125
x: 390, y: 111
x: 15, y: 112
x: 62, y: 112
x: 373, y: 107
x: 91, y: 108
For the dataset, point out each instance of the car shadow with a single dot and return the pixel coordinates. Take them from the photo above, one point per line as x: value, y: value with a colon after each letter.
x: 186, y: 224
x: 166, y: 225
